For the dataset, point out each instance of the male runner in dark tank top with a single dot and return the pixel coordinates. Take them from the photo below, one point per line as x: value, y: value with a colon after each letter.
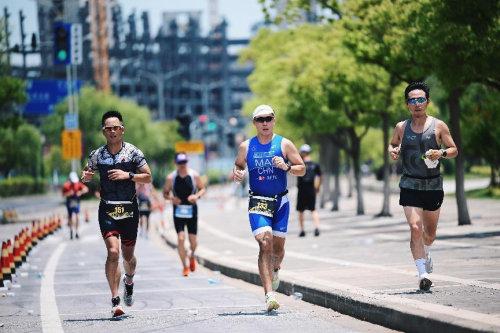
x: 421, y: 141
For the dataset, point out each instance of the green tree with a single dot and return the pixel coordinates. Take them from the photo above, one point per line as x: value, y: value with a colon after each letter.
x: 482, y: 133
x: 318, y: 84
x: 20, y: 150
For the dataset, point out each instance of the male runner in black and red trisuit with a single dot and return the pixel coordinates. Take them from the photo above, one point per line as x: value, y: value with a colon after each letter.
x: 120, y: 166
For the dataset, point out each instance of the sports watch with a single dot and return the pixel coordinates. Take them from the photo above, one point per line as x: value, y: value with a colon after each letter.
x: 131, y: 175
x: 444, y: 153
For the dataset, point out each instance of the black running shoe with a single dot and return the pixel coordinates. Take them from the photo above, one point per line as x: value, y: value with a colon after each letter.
x: 425, y: 284
x: 128, y: 292
x: 316, y: 232
x: 302, y: 234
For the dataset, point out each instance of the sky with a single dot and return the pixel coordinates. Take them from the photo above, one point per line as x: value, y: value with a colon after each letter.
x: 240, y: 14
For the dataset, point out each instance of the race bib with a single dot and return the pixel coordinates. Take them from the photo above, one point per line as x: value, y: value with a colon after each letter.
x: 120, y: 211
x: 144, y: 205
x: 73, y: 203
x: 262, y: 206
x: 184, y: 211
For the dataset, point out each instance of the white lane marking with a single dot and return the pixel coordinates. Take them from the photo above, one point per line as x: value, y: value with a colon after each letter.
x: 175, y: 309
x: 340, y: 262
x: 51, y: 322
x: 146, y: 291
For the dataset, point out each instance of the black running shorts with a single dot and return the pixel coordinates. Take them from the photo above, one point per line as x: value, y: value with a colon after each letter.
x: 191, y: 224
x: 119, y: 220
x: 306, y: 199
x: 427, y: 200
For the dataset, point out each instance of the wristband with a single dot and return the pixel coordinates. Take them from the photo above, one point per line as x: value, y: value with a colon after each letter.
x: 289, y: 168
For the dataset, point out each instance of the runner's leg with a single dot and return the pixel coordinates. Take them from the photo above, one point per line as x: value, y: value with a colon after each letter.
x: 301, y: 221
x: 129, y: 261
x: 112, y: 269
x: 278, y: 251
x: 414, y: 217
x: 181, y: 236
x: 430, y: 222
x: 265, y: 241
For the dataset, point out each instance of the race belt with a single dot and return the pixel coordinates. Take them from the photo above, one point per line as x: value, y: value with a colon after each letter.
x: 119, y: 210
x: 263, y: 205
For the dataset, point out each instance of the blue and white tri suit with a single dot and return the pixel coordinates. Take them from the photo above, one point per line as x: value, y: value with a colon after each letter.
x: 268, y: 181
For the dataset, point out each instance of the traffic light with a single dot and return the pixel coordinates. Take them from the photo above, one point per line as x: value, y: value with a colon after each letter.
x: 62, y: 43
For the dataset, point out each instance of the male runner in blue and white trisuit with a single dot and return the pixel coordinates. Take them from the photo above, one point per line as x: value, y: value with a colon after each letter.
x: 269, y: 158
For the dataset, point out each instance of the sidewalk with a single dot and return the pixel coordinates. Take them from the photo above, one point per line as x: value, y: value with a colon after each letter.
x: 362, y: 266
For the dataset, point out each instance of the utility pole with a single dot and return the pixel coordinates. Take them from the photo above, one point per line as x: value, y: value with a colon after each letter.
x: 23, y: 36
x: 6, y: 16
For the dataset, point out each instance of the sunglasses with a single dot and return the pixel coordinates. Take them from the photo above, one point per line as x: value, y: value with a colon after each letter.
x: 112, y: 128
x: 417, y: 100
x: 264, y: 119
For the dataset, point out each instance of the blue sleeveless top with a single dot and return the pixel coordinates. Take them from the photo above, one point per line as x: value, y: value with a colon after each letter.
x: 264, y: 178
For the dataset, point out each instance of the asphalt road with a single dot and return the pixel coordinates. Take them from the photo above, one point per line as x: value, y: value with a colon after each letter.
x: 63, y: 288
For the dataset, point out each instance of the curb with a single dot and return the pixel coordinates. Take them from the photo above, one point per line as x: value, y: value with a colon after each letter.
x: 407, y: 320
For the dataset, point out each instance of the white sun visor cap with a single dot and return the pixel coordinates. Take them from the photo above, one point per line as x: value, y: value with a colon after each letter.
x: 305, y: 148
x: 73, y: 177
x: 262, y: 110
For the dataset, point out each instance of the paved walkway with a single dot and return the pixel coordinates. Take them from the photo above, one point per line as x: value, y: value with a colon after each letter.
x: 362, y: 265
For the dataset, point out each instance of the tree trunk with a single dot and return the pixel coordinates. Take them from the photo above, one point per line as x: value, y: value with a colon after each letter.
x: 355, y: 154
x: 454, y: 105
x: 326, y: 165
x: 336, y: 171
x: 386, y: 210
x: 348, y: 174
x: 494, y: 176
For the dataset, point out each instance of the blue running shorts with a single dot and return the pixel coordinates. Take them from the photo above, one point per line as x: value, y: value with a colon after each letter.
x: 278, y: 224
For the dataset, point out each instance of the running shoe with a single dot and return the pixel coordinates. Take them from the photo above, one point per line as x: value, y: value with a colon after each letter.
x: 185, y: 271
x: 116, y: 310
x: 128, y: 293
x: 271, y: 302
x: 429, y: 267
x: 424, y: 283
x: 316, y: 232
x: 302, y: 234
x: 192, y: 264
x: 276, y: 279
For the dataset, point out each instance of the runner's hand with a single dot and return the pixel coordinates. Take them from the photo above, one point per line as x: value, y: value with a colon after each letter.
x: 433, y: 154
x: 238, y: 175
x: 192, y: 198
x: 117, y: 174
x: 394, y: 151
x: 279, y: 162
x: 87, y: 175
x: 176, y: 201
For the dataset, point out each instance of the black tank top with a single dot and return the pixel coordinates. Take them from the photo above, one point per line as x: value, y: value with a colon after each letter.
x: 183, y: 187
x: 416, y: 175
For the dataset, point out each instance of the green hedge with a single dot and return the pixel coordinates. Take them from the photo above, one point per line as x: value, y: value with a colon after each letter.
x: 21, y: 185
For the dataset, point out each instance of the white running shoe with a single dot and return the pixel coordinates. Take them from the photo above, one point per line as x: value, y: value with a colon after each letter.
x: 429, y: 267
x: 117, y: 311
x: 276, y: 280
x: 271, y: 302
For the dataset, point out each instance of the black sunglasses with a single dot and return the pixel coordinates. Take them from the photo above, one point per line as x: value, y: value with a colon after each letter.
x: 264, y: 119
x: 112, y: 128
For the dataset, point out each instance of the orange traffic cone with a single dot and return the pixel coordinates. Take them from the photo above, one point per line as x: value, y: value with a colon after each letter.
x: 22, y: 245
x: 17, y: 252
x: 10, y: 248
x: 34, y: 233
x: 28, y: 240
x: 5, y: 263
